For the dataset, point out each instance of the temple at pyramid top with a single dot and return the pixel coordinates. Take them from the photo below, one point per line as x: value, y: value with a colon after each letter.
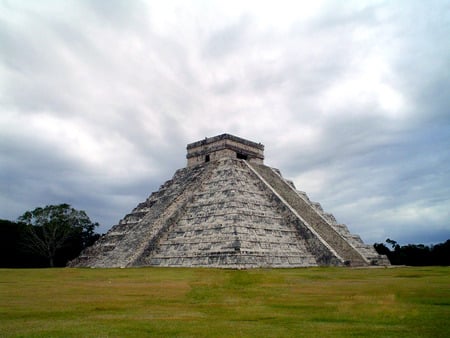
x: 224, y: 146
x: 228, y: 209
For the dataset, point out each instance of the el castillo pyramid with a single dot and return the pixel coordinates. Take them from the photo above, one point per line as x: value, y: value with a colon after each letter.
x: 228, y: 209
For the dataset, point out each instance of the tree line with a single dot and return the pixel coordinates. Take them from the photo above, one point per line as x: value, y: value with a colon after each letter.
x: 415, y: 254
x: 55, y: 234
x: 45, y: 237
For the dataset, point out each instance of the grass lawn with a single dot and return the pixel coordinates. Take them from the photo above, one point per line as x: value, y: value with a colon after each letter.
x: 183, y: 302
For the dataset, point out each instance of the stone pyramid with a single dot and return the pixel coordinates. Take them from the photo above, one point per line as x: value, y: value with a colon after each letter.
x: 227, y: 209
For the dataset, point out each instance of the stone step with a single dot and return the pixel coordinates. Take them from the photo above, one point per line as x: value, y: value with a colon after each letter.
x: 310, y: 214
x: 231, y: 213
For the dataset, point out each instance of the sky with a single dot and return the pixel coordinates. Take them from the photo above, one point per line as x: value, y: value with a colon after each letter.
x: 98, y: 100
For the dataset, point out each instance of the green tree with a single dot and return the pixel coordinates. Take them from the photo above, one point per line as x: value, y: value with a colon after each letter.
x: 415, y: 254
x: 49, y: 229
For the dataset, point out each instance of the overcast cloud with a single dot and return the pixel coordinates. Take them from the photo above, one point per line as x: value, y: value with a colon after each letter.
x: 98, y: 100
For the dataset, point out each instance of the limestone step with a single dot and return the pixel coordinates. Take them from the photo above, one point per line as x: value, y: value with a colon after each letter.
x: 118, y: 251
x: 232, y: 218
x: 311, y: 215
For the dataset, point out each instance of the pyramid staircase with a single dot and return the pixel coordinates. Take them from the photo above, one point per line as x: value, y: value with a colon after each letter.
x: 228, y: 211
x: 310, y: 216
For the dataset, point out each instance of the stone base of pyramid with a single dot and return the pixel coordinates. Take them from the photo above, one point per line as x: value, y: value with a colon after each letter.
x: 229, y: 213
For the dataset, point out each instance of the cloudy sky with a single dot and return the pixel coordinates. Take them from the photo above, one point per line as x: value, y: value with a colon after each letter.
x: 351, y: 99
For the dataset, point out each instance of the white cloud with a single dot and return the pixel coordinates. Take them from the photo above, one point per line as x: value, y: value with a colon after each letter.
x: 98, y: 101
x: 369, y: 89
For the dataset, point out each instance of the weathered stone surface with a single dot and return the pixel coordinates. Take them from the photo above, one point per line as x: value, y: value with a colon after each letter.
x: 225, y: 145
x: 227, y: 209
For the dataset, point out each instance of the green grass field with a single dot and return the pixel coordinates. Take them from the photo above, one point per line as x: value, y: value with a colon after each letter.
x: 182, y: 302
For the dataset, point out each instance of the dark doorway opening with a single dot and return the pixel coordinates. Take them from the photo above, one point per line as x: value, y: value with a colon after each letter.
x: 241, y: 156
x: 207, y: 158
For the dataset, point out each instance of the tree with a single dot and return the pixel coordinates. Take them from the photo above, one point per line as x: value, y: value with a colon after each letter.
x: 382, y: 249
x: 441, y: 253
x: 49, y: 230
x: 415, y: 254
x: 393, y: 243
